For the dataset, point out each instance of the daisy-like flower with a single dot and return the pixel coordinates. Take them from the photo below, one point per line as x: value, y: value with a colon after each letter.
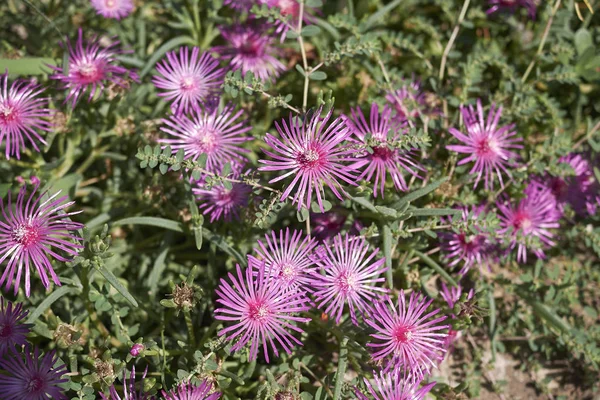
x: 260, y: 312
x: 91, y: 66
x: 351, y: 277
x: 13, y: 331
x: 512, y: 5
x: 22, y: 114
x: 395, y: 386
x: 289, y: 8
x: 286, y: 259
x: 451, y: 295
x: 530, y: 221
x: 379, y: 133
x: 250, y: 49
x: 116, y: 9
x: 30, y: 376
x: 187, y: 391
x: 129, y: 392
x: 222, y: 201
x: 311, y: 152
x: 486, y: 144
x: 216, y: 134
x: 406, y: 335
x: 465, y: 247
x: 410, y: 101
x: 31, y: 232
x: 188, y: 80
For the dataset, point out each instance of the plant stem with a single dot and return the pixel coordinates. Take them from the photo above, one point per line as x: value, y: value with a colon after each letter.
x: 303, y: 52
x: 190, y: 327
x: 461, y: 17
x: 341, y: 370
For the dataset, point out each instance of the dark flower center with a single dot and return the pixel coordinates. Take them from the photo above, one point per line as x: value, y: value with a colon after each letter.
x: 309, y: 159
x: 250, y: 48
x: 402, y: 334
x: 258, y: 311
x: 522, y: 221
x: 6, y: 330
x: 7, y: 113
x: 35, y: 385
x: 487, y: 147
x: 26, y: 235
x: 382, y: 152
x: 346, y: 282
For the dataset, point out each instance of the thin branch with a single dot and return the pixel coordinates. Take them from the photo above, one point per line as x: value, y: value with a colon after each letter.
x: 461, y: 17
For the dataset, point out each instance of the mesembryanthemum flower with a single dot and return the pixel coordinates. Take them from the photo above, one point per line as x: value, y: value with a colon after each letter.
x: 512, y: 5
x: 188, y: 391
x: 187, y: 80
x: 221, y: 200
x: 90, y: 67
x: 380, y: 133
x: 260, y: 312
x: 286, y: 259
x: 529, y: 222
x: 116, y: 9
x: 350, y: 277
x: 33, y: 231
x: 290, y: 9
x: 218, y: 134
x: 486, y: 144
x: 250, y: 49
x: 310, y: 151
x: 409, y: 102
x: 406, y: 336
x: 13, y: 331
x: 129, y: 392
x: 395, y: 386
x: 22, y: 114
x: 28, y: 376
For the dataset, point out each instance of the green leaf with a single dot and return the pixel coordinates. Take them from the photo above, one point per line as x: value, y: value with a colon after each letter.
x: 318, y: 76
x: 63, y: 184
x: 157, y: 269
x: 291, y: 34
x: 221, y: 243
x: 583, y: 40
x: 382, y: 12
x: 112, y: 279
x: 27, y: 66
x: 4, y: 189
x: 427, y: 260
x: 387, y: 252
x: 388, y: 212
x: 542, y: 311
x: 310, y: 30
x: 412, y: 196
x: 152, y: 221
x: 233, y: 376
x: 49, y: 300
x: 341, y: 370
x: 434, y: 212
x: 365, y: 203
x: 160, y: 52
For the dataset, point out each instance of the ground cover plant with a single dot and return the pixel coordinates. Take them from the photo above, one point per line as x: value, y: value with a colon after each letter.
x: 282, y: 199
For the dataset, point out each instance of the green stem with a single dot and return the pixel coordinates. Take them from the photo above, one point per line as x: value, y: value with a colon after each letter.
x: 341, y: 370
x: 190, y: 328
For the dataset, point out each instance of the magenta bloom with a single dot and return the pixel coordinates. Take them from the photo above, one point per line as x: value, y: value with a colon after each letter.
x: 116, y: 9
x: 13, y: 331
x: 394, y: 386
x: 311, y: 152
x: 240, y: 5
x: 187, y: 391
x: 260, y: 312
x: 28, y: 376
x: 465, y: 247
x: 529, y: 222
x: 407, y: 336
x: 90, y: 67
x: 486, y: 144
x: 350, y: 277
x: 326, y: 225
x: 383, y: 159
x: 409, y: 102
x: 289, y: 8
x: 250, y: 49
x: 222, y: 202
x: 188, y: 81
x: 512, y: 5
x: 22, y: 113
x: 216, y: 134
x: 129, y: 392
x: 31, y: 232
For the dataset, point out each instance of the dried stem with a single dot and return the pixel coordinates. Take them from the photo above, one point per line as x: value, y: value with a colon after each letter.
x: 461, y: 17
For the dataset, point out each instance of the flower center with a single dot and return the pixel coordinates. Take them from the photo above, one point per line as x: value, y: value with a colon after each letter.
x: 286, y: 271
x: 224, y: 197
x: 26, y: 235
x: 310, y: 159
x: 36, y: 384
x: 250, y: 48
x: 188, y: 83
x: 258, y: 312
x: 206, y: 140
x: 7, y: 113
x: 346, y: 282
x: 402, y: 335
x: 110, y: 3
x: 88, y: 72
x: 523, y: 222
x: 382, y: 152
x: 6, y: 331
x: 487, y: 147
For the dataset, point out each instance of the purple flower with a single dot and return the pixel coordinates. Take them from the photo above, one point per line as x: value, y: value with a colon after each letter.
x: 407, y: 336
x: 31, y: 232
x: 395, y: 386
x: 286, y: 259
x: 350, y: 276
x: 188, y: 81
x: 222, y: 201
x: 467, y: 247
x: 187, y: 391
x: 512, y: 5
x: 452, y: 295
x: 28, y: 376
x: 382, y: 159
x: 260, y: 312
x: 216, y: 134
x: 529, y: 221
x: 90, y: 66
x: 12, y: 329
x: 409, y: 102
x: 129, y: 392
x: 22, y: 113
x: 326, y: 225
x: 136, y: 349
x: 240, y: 5
x: 486, y: 145
x: 311, y: 152
x: 250, y: 49
x: 291, y: 9
x: 116, y: 9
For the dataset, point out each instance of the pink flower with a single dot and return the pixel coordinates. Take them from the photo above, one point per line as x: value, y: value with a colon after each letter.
x: 350, y: 277
x: 187, y: 391
x: 291, y: 9
x: 136, y: 349
x: 395, y: 386
x: 512, y: 5
x: 486, y: 145
x: 116, y: 9
x: 326, y: 225
x: 188, y: 81
x: 250, y: 49
x: 407, y: 336
x: 286, y: 259
x: 260, y: 312
x: 383, y: 159
x: 129, y: 392
x: 216, y: 134
x: 22, y: 114
x: 311, y: 152
x: 13, y: 332
x: 529, y: 222
x: 451, y: 296
x: 90, y: 67
x: 222, y: 201
x: 240, y: 5
x: 409, y: 102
